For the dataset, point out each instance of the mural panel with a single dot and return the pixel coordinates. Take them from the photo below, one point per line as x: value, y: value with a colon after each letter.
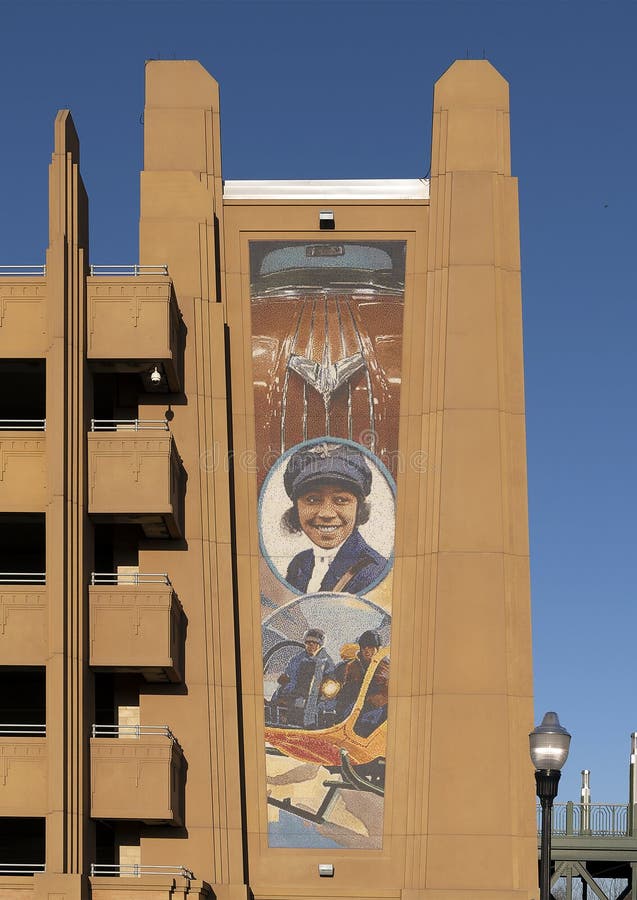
x: 327, y: 345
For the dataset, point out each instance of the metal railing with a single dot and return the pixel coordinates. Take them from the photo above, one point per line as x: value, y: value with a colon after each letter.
x: 23, y: 270
x: 130, y: 578
x: 129, y: 270
x: 129, y: 425
x: 22, y: 424
x: 588, y: 819
x: 22, y: 577
x: 131, y: 731
x: 132, y: 870
x: 21, y: 730
x: 21, y: 868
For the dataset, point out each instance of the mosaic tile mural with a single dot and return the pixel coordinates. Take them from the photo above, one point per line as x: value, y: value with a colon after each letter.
x: 327, y: 320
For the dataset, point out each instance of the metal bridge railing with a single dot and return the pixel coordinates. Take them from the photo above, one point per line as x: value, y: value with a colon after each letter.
x: 129, y: 425
x: 22, y: 424
x: 134, y: 269
x: 136, y: 871
x: 131, y: 731
x: 23, y: 270
x: 21, y: 868
x: 588, y: 819
x: 20, y: 730
x: 130, y: 578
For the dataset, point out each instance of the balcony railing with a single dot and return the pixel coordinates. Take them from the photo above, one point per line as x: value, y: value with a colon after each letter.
x: 129, y: 270
x: 588, y: 819
x: 22, y: 577
x: 23, y: 270
x: 130, y: 578
x: 21, y: 868
x: 134, y: 731
x: 137, y: 871
x: 129, y: 425
x: 21, y: 730
x: 22, y: 424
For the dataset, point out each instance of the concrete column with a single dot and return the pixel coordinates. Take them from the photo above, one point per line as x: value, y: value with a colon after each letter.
x: 182, y: 225
x: 67, y: 531
x: 480, y: 823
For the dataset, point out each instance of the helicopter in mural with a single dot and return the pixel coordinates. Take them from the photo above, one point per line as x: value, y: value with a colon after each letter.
x: 326, y: 713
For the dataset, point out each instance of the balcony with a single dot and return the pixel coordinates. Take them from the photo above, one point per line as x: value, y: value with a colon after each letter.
x: 23, y: 619
x: 22, y: 578
x: 134, y: 322
x: 22, y: 311
x: 22, y: 465
x: 19, y: 869
x: 139, y: 871
x: 137, y: 773
x: 120, y: 882
x: 22, y: 438
x: 22, y: 425
x: 23, y: 763
x: 136, y: 476
x: 136, y: 625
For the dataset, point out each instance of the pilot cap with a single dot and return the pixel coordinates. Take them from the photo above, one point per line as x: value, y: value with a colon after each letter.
x: 369, y: 639
x: 314, y: 634
x: 327, y: 463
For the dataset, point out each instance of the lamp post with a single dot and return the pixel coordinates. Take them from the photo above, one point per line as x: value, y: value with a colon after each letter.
x: 548, y: 743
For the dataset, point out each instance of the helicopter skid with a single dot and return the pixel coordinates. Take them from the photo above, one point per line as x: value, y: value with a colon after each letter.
x: 350, y: 781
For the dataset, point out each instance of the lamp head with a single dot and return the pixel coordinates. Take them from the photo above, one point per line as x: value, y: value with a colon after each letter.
x: 155, y: 376
x: 549, y: 744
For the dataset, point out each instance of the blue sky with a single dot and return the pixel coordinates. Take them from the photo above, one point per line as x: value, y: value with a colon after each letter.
x: 337, y: 89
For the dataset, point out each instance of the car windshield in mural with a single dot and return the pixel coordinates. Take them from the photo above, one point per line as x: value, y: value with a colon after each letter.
x: 326, y: 345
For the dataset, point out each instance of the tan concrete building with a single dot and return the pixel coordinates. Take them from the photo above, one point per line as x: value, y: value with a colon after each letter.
x: 232, y: 477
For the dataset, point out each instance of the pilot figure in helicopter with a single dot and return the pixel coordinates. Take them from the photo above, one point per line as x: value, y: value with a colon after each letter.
x: 297, y: 699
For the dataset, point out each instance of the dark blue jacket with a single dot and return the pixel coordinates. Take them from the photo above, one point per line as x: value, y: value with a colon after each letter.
x: 300, y: 671
x: 355, y: 553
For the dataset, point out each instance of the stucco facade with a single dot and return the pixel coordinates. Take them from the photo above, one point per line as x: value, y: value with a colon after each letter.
x: 140, y: 753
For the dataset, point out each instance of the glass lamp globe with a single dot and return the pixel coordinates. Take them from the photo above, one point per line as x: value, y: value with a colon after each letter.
x: 549, y: 744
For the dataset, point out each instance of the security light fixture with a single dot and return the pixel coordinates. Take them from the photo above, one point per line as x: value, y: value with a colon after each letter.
x: 326, y: 220
x: 326, y: 870
x: 155, y: 376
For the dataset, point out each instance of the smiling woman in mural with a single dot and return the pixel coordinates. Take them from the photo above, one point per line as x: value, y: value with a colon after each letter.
x: 328, y: 484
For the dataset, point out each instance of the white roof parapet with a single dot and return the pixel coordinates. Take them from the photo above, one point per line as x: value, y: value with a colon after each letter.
x: 359, y: 189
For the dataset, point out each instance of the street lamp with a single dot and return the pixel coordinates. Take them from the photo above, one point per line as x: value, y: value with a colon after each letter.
x: 548, y: 743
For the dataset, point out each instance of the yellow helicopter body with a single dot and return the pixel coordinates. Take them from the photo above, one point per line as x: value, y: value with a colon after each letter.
x: 324, y: 745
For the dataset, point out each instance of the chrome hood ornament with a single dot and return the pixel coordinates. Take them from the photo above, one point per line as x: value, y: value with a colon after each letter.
x: 326, y: 377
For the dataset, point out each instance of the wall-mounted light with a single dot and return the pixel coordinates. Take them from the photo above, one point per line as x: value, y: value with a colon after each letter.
x: 326, y: 870
x: 155, y: 376
x: 326, y: 220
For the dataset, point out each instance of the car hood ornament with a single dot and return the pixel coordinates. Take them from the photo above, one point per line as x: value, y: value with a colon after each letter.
x: 326, y: 377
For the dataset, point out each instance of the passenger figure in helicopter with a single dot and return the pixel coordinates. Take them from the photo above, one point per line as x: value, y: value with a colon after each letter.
x: 374, y: 709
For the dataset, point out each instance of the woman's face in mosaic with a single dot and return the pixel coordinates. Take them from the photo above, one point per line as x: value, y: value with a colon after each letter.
x: 327, y: 514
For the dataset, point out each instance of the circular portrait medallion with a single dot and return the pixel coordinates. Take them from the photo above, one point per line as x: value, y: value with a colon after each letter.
x: 327, y: 518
